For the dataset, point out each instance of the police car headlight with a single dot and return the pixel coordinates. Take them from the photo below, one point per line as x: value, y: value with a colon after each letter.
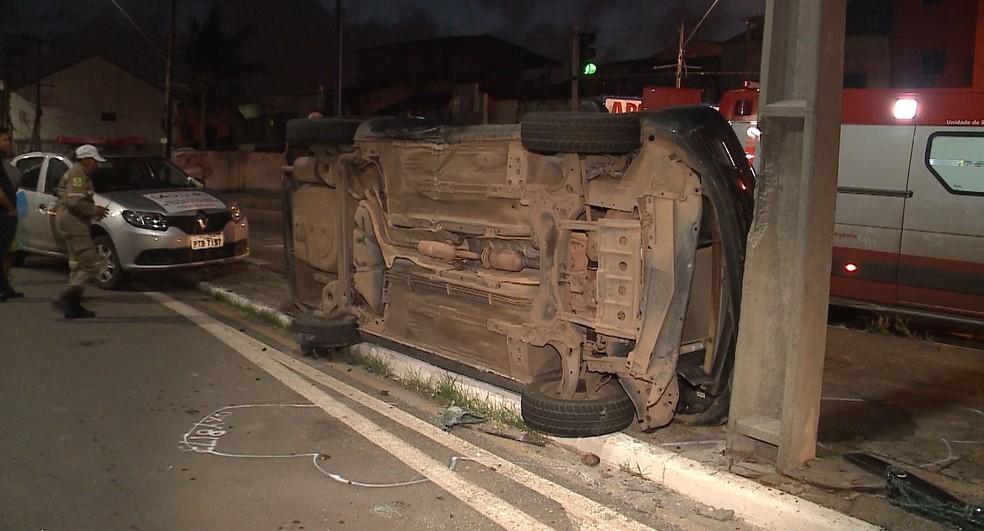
x: 237, y: 213
x: 146, y: 220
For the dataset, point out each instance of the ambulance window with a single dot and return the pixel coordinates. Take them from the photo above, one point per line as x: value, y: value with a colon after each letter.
x: 743, y: 108
x: 957, y: 160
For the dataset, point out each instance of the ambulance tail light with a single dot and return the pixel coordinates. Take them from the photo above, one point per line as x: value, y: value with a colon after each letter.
x: 905, y: 109
x: 850, y: 268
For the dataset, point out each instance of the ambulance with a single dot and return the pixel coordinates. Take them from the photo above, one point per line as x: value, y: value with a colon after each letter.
x: 909, y: 231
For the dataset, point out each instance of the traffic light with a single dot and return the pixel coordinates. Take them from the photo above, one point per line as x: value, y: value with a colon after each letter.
x: 586, y: 53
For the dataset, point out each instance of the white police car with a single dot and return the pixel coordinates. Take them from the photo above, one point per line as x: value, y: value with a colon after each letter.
x: 158, y: 216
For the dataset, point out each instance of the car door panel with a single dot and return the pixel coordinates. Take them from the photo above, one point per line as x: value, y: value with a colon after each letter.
x: 34, y: 233
x: 54, y: 169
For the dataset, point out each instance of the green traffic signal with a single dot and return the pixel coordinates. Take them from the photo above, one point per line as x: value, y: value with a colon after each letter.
x: 586, y: 53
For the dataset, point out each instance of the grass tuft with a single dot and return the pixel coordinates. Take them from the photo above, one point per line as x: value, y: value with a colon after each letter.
x: 448, y: 389
x: 631, y: 470
x: 896, y: 326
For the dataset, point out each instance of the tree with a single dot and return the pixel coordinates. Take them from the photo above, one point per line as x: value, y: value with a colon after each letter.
x: 214, y: 67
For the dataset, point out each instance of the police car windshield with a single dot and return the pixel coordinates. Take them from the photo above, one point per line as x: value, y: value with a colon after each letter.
x: 139, y: 173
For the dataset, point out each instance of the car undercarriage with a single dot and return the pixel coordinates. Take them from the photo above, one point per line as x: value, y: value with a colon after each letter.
x: 593, y: 259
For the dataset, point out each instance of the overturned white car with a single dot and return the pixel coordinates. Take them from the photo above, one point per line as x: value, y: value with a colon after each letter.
x: 591, y: 261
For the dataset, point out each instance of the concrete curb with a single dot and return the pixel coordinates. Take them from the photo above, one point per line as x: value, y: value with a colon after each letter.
x: 752, y: 503
x: 243, y: 303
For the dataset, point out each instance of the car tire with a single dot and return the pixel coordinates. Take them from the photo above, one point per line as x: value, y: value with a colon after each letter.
x: 608, y: 411
x: 112, y: 275
x: 585, y: 133
x: 313, y: 332
x: 321, y: 131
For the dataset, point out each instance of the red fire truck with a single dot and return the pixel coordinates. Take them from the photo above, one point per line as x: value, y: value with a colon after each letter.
x: 910, y: 198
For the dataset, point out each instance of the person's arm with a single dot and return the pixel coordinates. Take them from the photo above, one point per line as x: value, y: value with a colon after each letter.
x: 10, y: 209
x: 5, y: 204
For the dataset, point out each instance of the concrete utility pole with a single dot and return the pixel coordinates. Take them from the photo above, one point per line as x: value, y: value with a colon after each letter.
x: 679, y: 63
x: 36, y: 130
x: 338, y: 84
x: 169, y: 72
x: 775, y: 405
x: 575, y: 70
x: 5, y: 119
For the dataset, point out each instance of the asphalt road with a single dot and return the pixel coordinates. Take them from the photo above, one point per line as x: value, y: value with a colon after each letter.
x: 171, y: 411
x: 156, y: 416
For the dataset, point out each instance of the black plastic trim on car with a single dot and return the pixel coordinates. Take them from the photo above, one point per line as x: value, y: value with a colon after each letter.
x: 166, y: 257
x: 214, y: 222
x: 874, y: 191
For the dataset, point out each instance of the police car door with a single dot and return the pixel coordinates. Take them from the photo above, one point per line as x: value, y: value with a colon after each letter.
x: 36, y: 230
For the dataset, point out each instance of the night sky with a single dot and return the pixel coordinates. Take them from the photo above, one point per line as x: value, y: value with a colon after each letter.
x: 294, y: 40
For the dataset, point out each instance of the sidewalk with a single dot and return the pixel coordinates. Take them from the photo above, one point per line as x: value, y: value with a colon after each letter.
x: 914, y: 403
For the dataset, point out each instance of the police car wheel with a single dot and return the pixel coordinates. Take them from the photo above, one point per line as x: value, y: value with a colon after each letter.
x: 111, y: 276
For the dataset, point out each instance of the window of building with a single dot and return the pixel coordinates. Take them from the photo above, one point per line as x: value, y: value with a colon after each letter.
x: 109, y: 116
x: 932, y: 63
x: 957, y: 160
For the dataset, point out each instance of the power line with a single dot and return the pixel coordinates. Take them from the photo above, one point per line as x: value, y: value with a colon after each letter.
x: 699, y: 23
x: 140, y: 31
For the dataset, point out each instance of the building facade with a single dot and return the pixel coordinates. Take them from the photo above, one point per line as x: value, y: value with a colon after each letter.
x: 92, y: 99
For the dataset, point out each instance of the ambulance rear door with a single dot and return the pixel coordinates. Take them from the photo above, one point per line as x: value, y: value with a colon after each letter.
x: 871, y: 193
x: 942, y: 252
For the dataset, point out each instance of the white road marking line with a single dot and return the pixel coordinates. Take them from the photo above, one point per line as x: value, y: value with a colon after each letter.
x: 479, y: 499
x: 583, y: 511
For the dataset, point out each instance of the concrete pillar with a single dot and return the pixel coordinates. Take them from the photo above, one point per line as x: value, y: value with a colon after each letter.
x: 775, y: 405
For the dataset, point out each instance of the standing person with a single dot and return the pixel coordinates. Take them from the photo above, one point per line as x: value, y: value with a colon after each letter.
x: 8, y: 217
x: 74, y: 214
x: 14, y: 175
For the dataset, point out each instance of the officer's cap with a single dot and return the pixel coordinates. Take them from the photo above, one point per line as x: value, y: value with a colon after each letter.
x: 88, y: 151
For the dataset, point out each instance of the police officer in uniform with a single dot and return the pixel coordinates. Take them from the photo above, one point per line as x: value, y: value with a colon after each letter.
x: 75, y: 212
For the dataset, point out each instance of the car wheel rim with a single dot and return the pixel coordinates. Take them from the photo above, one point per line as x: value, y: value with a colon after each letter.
x: 109, y: 265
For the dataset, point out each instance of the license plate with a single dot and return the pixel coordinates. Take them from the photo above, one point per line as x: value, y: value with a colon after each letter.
x: 209, y: 241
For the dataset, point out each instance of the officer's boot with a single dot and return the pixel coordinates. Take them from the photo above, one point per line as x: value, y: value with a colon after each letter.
x: 7, y: 292
x: 73, y: 306
x: 61, y: 303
